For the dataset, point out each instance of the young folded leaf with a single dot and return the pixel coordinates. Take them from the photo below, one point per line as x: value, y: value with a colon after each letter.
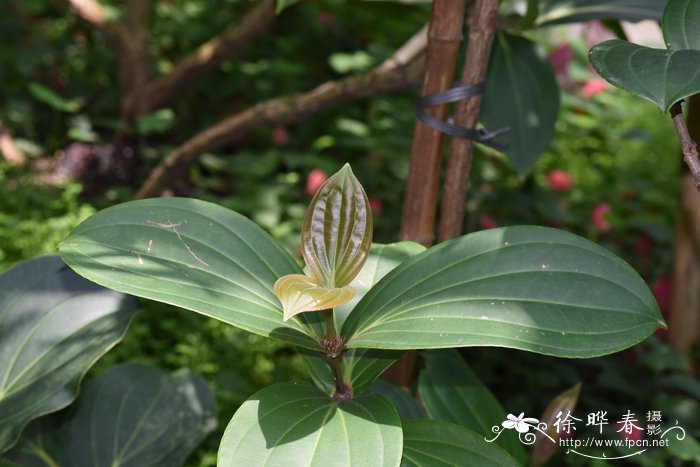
x: 299, y: 293
x: 337, y: 231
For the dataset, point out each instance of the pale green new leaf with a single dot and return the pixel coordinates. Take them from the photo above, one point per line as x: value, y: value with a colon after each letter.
x: 337, y: 231
x: 299, y: 293
x: 529, y: 288
x: 295, y: 424
x: 192, y: 254
x: 54, y: 325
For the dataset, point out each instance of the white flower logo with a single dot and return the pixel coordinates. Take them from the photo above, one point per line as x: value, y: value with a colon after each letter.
x: 521, y: 424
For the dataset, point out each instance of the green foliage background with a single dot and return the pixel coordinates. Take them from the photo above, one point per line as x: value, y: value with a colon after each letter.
x: 618, y: 150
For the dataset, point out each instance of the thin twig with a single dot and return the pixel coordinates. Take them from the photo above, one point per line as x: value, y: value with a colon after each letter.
x: 232, y: 42
x: 688, y: 146
x: 482, y: 26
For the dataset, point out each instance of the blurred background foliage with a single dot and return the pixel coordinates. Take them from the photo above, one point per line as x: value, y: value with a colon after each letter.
x: 610, y: 174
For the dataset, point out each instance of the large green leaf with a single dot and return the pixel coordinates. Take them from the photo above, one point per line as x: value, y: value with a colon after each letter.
x: 54, y: 325
x: 134, y: 415
x: 576, y: 11
x: 192, y: 254
x: 522, y: 94
x: 406, y: 405
x: 529, y: 288
x: 680, y: 24
x: 657, y: 75
x: 360, y: 367
x: 451, y: 391
x: 337, y: 233
x: 296, y: 424
x: 438, y: 443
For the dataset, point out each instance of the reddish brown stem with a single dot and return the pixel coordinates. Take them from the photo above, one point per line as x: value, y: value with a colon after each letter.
x: 482, y: 26
x: 688, y: 146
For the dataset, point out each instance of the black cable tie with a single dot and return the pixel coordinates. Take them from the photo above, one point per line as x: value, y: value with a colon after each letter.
x: 455, y: 94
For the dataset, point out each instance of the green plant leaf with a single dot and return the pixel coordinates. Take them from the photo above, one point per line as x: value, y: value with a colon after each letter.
x: 145, y: 417
x: 296, y: 424
x: 451, y: 391
x: 407, y: 407
x: 159, y: 121
x: 381, y: 260
x: 192, y: 254
x: 530, y: 288
x: 578, y: 11
x: 337, y: 233
x: 657, y: 75
x: 284, y: 4
x: 360, y: 367
x: 521, y: 94
x: 299, y: 293
x: 679, y: 24
x: 54, y: 325
x: 433, y: 442
x: 53, y: 100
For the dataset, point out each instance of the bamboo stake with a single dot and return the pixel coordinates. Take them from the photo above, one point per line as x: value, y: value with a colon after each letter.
x: 420, y: 202
x: 482, y: 25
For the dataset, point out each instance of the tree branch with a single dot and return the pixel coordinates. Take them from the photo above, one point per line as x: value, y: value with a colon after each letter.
x: 688, y: 146
x: 134, y: 60
x: 482, y: 26
x: 210, y: 54
x: 398, y: 75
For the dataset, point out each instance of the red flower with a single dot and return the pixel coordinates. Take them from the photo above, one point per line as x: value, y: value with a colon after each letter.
x: 325, y: 18
x: 593, y: 87
x: 487, y: 222
x: 280, y: 136
x: 560, y: 58
x: 559, y: 181
x: 375, y: 204
x: 314, y: 181
x: 598, y: 216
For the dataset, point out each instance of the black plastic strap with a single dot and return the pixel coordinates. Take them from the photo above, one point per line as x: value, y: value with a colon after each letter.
x: 456, y: 94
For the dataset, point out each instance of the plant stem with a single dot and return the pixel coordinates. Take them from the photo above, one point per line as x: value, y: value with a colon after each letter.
x: 688, y: 146
x: 330, y: 325
x: 482, y: 26
x: 333, y: 345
